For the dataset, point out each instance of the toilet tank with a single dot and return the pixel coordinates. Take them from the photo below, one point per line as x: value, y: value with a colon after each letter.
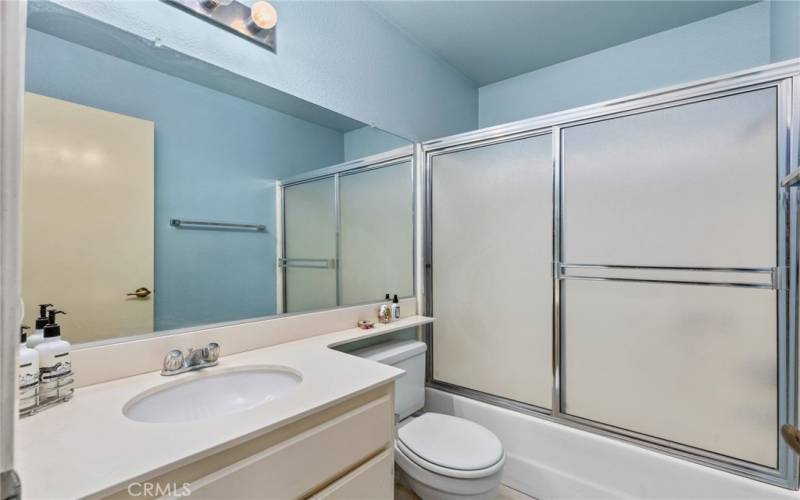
x: 408, y: 355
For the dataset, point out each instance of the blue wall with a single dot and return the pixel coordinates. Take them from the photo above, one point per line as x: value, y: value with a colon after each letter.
x: 368, y: 141
x: 784, y: 29
x: 217, y: 157
x: 340, y: 55
x: 736, y: 40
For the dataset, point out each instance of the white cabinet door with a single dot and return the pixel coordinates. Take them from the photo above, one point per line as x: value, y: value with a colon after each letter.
x: 307, y: 461
x: 372, y: 481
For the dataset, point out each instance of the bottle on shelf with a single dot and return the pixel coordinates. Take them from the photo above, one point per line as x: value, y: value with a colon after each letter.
x: 395, y: 308
x: 385, y: 310
x: 54, y: 359
x: 28, y: 373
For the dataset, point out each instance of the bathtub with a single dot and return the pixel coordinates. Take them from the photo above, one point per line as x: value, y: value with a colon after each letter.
x: 547, y: 460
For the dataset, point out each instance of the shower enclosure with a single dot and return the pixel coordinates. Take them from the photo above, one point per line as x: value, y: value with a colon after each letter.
x: 347, y: 233
x: 628, y: 269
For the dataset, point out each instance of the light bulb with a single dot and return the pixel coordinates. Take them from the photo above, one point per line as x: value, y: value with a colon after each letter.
x: 263, y: 15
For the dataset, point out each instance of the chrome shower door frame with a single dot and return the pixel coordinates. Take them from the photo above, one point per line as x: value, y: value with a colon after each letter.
x: 785, y: 79
x: 373, y: 162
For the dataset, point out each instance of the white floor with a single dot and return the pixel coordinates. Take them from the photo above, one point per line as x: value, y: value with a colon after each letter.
x: 505, y: 493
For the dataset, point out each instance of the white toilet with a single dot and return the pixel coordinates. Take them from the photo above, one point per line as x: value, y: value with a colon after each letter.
x: 440, y: 456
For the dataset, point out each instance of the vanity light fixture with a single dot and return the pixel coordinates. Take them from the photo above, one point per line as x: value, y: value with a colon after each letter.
x: 213, y: 4
x: 263, y: 16
x: 256, y: 23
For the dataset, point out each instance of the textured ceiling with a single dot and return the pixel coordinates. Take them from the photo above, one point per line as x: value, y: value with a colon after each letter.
x: 490, y: 41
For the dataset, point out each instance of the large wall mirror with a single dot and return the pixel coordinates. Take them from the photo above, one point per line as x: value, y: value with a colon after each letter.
x: 161, y: 193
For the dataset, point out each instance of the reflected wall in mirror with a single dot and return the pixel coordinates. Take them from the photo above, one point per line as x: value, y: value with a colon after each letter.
x: 121, y: 137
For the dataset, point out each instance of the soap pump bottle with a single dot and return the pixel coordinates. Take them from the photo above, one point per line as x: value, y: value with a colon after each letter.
x: 28, y: 373
x: 395, y: 308
x: 385, y: 311
x: 38, y: 335
x: 54, y: 361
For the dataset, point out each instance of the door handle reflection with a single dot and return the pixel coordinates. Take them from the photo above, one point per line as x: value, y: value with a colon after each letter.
x: 791, y: 435
x: 140, y: 293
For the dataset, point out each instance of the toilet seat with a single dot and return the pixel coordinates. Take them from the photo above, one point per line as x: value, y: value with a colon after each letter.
x: 451, y: 446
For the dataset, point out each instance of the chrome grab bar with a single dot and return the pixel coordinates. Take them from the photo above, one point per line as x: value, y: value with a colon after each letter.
x: 308, y: 263
x: 219, y: 225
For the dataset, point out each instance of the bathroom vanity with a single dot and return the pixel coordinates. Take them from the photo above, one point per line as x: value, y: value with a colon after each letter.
x: 328, y: 436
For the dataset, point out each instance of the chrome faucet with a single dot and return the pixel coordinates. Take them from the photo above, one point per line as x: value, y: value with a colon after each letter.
x: 195, y: 359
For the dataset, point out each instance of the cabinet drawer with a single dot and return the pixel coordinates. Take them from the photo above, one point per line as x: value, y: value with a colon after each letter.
x: 294, y: 467
x: 371, y: 481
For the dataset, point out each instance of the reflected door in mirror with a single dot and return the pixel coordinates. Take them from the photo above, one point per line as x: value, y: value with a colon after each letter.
x: 88, y: 218
x: 310, y: 245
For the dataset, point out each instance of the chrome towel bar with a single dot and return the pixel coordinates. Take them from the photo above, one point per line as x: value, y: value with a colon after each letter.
x: 218, y: 225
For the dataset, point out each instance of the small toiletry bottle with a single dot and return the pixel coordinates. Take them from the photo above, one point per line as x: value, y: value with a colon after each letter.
x: 395, y: 309
x: 28, y: 374
x: 38, y: 335
x: 385, y: 311
x: 54, y: 362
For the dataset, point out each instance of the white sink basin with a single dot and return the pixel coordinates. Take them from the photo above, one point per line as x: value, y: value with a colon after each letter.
x: 210, y: 394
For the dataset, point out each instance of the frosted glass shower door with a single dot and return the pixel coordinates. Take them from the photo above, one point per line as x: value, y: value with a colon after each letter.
x: 377, y: 233
x: 675, y: 194
x: 692, y: 185
x: 310, y: 245
x: 492, y: 283
x: 690, y: 364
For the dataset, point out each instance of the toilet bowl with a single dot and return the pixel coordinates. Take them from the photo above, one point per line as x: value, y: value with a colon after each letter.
x: 446, y: 457
x: 439, y: 457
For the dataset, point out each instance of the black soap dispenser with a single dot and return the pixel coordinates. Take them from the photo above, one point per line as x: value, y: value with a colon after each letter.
x: 37, y: 337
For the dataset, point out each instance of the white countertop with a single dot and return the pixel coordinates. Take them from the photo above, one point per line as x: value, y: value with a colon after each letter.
x: 87, y: 447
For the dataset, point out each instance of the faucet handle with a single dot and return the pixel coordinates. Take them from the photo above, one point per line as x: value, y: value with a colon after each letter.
x: 172, y: 361
x: 211, y: 352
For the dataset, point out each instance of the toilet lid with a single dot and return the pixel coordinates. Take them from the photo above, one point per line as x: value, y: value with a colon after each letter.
x: 451, y: 442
